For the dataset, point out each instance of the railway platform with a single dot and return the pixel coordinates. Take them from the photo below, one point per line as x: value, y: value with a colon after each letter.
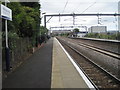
x: 64, y: 74
x: 35, y: 72
x: 49, y: 67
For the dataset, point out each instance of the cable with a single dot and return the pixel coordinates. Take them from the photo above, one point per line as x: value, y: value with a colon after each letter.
x: 88, y: 7
x: 65, y: 5
x: 76, y: 7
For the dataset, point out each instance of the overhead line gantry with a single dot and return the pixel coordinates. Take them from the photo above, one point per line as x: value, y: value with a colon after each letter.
x: 73, y: 15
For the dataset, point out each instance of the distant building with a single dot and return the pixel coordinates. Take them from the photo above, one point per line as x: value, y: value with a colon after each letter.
x: 80, y: 34
x: 97, y: 29
x: 55, y: 32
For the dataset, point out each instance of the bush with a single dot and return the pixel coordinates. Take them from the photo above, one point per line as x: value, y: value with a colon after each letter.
x: 104, y: 36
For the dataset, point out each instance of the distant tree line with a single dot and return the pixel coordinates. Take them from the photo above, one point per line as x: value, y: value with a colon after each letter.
x: 115, y: 36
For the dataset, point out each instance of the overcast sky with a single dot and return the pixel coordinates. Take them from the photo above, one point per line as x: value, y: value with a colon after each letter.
x: 80, y: 7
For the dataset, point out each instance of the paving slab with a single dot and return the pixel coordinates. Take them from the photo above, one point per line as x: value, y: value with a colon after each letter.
x: 64, y: 74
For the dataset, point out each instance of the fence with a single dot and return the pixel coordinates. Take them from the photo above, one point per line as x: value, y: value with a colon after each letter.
x: 20, y: 48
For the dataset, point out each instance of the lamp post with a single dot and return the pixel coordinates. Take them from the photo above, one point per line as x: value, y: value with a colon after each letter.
x: 41, y: 19
x: 6, y: 39
x: 40, y: 23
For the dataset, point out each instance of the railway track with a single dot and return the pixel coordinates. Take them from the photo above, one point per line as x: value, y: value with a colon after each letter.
x: 111, y: 46
x: 111, y: 67
x: 98, y: 76
x: 112, y: 54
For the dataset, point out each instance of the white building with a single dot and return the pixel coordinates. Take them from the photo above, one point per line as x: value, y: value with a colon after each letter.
x: 97, y: 29
x: 81, y: 34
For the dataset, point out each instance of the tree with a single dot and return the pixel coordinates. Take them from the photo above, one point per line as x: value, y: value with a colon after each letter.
x: 26, y: 19
x: 22, y: 30
x: 104, y: 36
x: 31, y: 4
x: 76, y: 30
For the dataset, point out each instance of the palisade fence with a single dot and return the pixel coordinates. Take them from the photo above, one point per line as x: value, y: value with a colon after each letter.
x: 20, y: 48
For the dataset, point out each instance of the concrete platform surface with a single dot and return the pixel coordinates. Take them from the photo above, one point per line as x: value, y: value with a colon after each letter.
x: 35, y: 72
x: 64, y: 74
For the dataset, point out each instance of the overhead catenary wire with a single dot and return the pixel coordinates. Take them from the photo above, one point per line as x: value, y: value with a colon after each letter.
x: 65, y: 6
x: 76, y: 7
x: 88, y: 7
x: 79, y: 4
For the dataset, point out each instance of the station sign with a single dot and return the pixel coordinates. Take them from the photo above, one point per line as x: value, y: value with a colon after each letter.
x: 5, y: 12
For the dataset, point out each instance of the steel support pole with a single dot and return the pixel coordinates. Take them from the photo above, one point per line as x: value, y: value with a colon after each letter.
x: 45, y: 27
x: 7, y: 48
x: 45, y: 21
x: 73, y: 19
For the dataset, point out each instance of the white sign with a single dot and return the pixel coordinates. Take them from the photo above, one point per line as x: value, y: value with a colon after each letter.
x: 6, y: 13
